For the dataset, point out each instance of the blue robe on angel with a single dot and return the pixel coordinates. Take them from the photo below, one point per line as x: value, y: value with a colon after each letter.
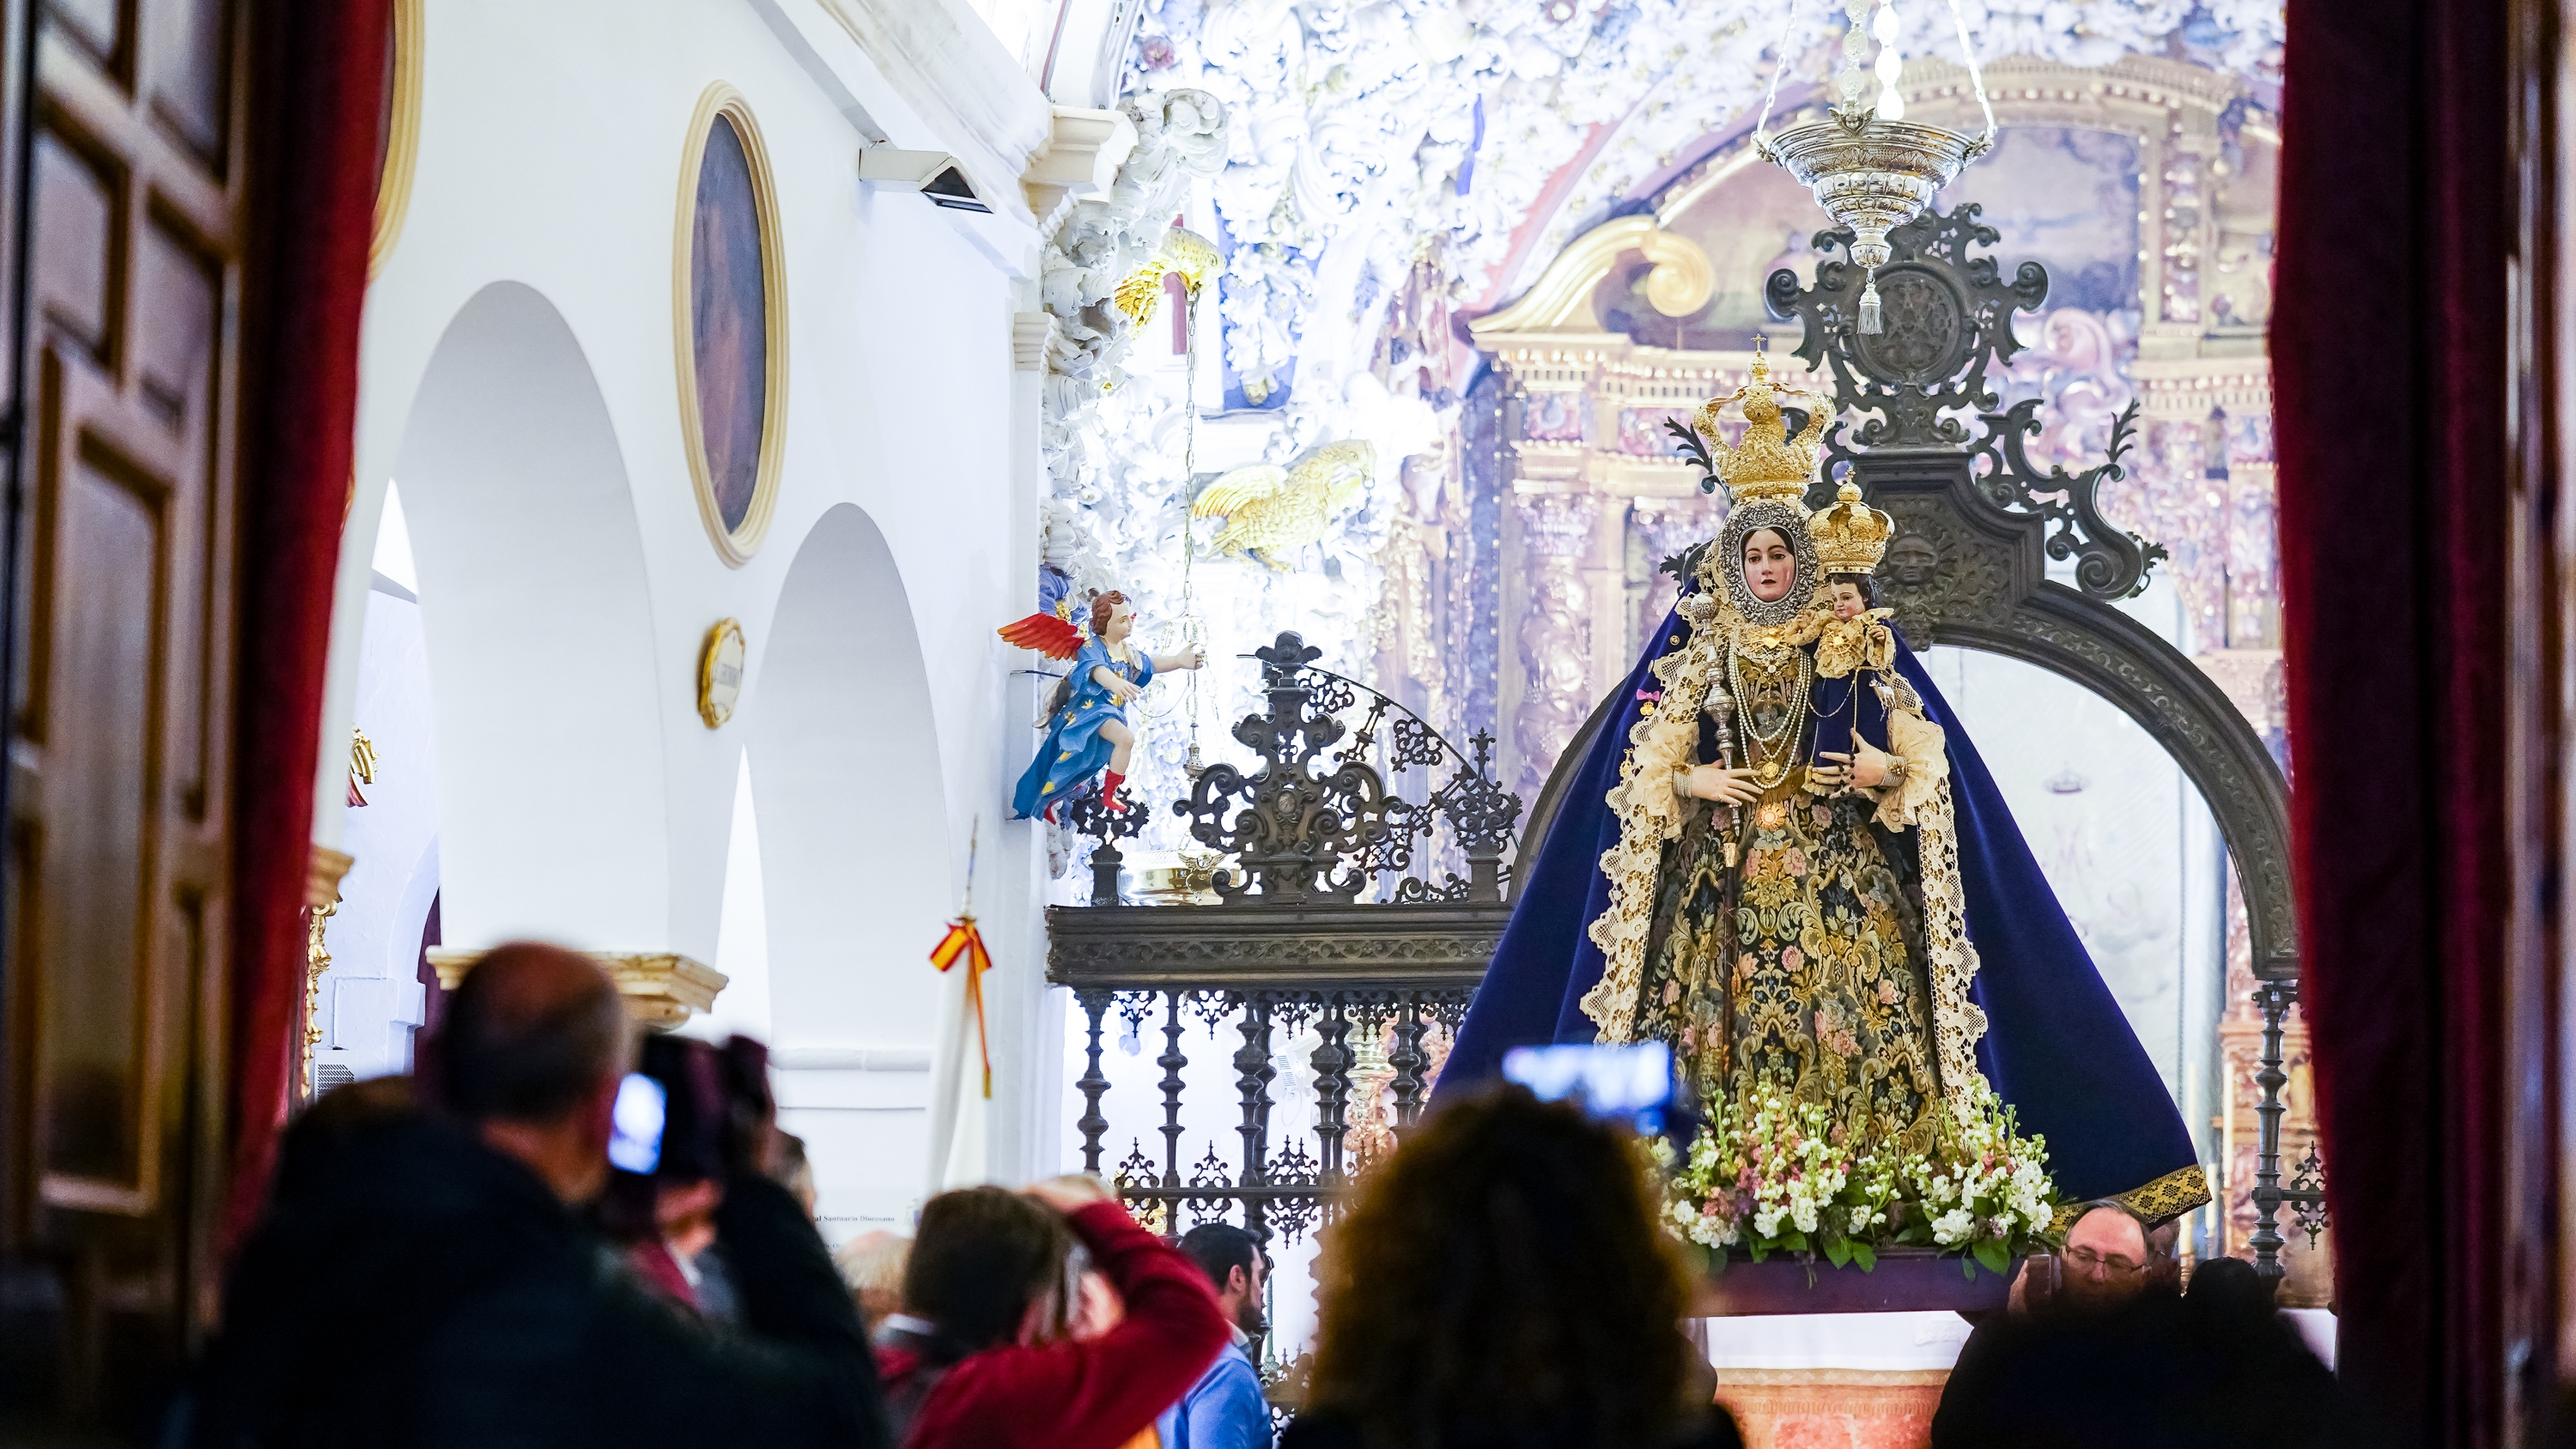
x: 1073, y: 751
x: 1879, y: 952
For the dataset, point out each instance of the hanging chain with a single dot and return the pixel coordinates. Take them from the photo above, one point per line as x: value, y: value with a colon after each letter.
x: 1976, y: 79
x: 1779, y: 63
x: 1193, y: 629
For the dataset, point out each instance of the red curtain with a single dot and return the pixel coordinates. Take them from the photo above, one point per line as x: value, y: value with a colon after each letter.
x: 2388, y: 360
x: 318, y: 72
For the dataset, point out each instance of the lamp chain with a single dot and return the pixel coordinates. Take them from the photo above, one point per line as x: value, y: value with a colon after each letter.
x: 1976, y: 78
x: 1193, y: 629
x: 1779, y: 63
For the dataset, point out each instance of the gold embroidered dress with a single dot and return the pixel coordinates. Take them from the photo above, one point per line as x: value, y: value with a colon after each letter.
x: 1785, y: 947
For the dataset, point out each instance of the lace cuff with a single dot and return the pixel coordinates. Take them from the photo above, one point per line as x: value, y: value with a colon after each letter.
x: 1925, y: 750
x: 1667, y: 750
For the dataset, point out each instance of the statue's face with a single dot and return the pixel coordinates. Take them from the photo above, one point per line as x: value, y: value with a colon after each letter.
x: 1122, y: 622
x: 1848, y: 604
x: 1770, y: 566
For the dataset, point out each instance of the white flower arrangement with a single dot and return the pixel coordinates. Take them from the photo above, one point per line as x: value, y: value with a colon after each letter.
x: 1771, y: 1176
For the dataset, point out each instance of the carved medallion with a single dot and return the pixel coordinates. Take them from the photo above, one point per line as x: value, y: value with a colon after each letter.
x: 1926, y: 336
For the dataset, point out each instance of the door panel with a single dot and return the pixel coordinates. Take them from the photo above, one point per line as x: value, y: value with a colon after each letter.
x: 118, y: 803
x: 96, y: 968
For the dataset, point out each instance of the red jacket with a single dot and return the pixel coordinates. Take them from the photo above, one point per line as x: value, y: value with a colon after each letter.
x: 1096, y: 1395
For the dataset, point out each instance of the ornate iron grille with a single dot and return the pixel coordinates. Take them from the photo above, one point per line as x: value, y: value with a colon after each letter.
x: 1280, y: 1187
x: 1317, y: 823
x: 1340, y: 910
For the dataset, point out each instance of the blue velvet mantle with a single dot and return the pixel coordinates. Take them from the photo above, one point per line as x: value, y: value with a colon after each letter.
x: 2056, y: 1046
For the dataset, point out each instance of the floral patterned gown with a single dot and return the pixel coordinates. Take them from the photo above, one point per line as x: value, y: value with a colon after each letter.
x: 1787, y: 954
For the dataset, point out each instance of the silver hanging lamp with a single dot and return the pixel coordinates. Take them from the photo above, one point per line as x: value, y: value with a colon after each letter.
x: 1870, y: 168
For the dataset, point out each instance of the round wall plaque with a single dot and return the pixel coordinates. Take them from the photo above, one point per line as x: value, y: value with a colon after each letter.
x: 720, y: 672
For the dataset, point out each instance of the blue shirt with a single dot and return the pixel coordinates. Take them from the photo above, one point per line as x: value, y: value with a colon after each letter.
x: 1223, y: 1410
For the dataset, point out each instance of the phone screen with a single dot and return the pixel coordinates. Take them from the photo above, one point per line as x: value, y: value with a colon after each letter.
x: 1631, y: 1084
x: 635, y: 1125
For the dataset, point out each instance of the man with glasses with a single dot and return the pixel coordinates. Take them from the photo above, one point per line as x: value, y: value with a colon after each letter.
x: 2105, y: 1260
x: 2034, y: 1376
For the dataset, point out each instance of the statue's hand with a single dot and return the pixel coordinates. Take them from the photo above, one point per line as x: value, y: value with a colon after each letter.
x: 1731, y: 787
x: 1867, y: 766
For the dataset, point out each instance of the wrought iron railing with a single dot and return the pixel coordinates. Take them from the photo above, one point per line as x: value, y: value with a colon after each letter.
x: 1335, y: 911
x: 1283, y: 1179
x: 2306, y: 1194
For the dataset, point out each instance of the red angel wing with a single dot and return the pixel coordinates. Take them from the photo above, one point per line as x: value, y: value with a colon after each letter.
x: 1045, y: 633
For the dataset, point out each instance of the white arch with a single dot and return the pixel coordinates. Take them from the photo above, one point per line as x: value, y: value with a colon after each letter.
x: 851, y: 821
x: 538, y: 618
x: 845, y: 775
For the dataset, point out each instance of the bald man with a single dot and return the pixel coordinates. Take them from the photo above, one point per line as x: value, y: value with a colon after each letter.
x: 423, y: 1276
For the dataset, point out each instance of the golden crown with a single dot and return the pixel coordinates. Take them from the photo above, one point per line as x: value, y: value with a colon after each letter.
x: 1850, y: 536
x: 1769, y: 464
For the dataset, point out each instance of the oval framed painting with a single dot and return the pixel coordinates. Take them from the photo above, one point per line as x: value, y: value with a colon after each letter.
x: 397, y: 127
x: 730, y: 323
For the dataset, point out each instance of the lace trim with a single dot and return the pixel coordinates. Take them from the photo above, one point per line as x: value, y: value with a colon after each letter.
x: 1957, y: 1022
x: 1648, y: 817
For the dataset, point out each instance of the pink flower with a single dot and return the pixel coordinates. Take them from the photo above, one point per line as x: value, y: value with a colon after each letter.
x: 1744, y: 966
x: 1887, y: 990
x: 1791, y: 959
x: 1796, y: 860
x: 1672, y: 990
x: 1823, y: 817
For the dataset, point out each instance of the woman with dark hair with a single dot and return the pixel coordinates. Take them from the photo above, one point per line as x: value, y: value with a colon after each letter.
x: 1501, y: 1283
x: 663, y: 1219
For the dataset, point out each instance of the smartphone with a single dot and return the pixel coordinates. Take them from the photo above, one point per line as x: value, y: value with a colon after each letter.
x: 635, y: 1124
x: 1629, y: 1084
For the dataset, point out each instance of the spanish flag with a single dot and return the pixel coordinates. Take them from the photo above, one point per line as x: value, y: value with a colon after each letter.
x: 961, y: 1092
x: 965, y: 942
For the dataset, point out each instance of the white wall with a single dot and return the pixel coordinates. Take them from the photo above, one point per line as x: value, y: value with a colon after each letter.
x: 518, y: 378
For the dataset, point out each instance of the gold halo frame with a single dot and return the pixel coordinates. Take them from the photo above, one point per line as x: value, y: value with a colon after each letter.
x: 402, y: 133
x: 735, y: 545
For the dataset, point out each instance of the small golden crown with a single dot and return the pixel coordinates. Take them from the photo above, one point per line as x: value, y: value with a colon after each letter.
x: 1768, y: 465
x: 1850, y: 536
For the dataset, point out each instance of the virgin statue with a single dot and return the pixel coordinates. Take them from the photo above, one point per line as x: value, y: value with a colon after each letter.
x: 1783, y: 858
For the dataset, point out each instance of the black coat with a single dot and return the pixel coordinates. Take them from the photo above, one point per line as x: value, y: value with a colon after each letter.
x: 410, y: 1286
x: 2156, y: 1372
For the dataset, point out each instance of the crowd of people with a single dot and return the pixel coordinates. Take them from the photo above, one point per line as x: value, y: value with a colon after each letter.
x: 506, y: 1249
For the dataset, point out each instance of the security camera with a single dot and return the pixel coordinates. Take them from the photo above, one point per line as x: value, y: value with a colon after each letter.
x: 935, y: 174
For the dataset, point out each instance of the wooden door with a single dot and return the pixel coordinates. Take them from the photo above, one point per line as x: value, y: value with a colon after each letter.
x: 123, y: 653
